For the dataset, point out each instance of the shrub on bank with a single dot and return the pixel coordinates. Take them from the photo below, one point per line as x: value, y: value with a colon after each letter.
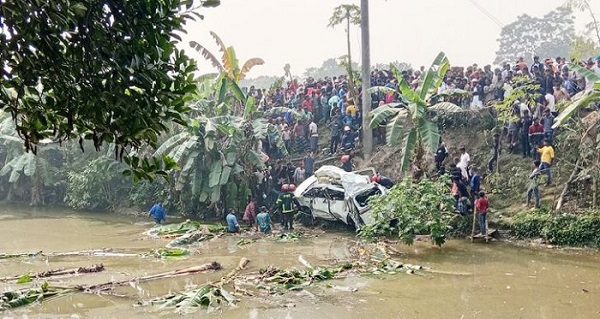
x: 569, y: 229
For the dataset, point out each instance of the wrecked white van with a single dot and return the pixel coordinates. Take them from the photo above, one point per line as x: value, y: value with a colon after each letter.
x: 336, y: 195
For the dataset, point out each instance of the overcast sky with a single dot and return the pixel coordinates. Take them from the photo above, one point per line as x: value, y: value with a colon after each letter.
x: 414, y: 31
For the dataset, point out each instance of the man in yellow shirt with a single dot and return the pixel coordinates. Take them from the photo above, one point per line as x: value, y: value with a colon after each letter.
x: 547, y: 156
x: 351, y: 109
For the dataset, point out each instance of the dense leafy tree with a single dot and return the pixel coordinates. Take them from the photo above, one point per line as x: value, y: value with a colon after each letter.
x: 106, y: 71
x: 549, y: 36
x: 409, y: 119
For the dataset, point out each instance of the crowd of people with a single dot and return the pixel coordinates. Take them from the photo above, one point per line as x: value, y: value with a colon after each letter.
x: 300, y: 109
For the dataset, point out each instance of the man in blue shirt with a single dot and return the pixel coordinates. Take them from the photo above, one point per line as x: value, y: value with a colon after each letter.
x: 263, y: 221
x: 475, y: 182
x: 158, y: 212
x: 232, y: 223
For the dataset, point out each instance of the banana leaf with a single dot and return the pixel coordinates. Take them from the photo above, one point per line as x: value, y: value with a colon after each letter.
x: 168, y: 229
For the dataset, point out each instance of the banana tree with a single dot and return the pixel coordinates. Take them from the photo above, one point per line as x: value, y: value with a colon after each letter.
x: 581, y: 99
x: 20, y: 163
x: 229, y: 64
x: 218, y: 152
x: 407, y: 121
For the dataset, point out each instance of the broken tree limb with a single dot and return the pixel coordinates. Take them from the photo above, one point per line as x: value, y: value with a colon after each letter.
x: 561, y: 198
x: 18, y: 255
x: 57, y: 272
x: 169, y: 274
x: 241, y: 266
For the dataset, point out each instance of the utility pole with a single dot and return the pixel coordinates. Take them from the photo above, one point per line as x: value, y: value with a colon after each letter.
x: 366, y: 79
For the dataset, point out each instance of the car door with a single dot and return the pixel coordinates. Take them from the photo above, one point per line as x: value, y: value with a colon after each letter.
x: 316, y: 199
x: 337, y: 203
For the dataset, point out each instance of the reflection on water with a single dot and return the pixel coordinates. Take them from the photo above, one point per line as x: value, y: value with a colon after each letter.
x: 478, y: 280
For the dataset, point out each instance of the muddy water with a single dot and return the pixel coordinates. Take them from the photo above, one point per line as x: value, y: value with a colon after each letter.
x: 475, y: 280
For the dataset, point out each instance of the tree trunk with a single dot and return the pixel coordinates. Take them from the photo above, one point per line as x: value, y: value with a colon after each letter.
x: 366, y: 80
x: 36, y: 190
x: 350, y: 75
x: 587, y: 4
x: 566, y: 188
x: 594, y: 190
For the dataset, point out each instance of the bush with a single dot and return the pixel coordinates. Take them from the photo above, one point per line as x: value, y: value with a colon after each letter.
x: 562, y: 229
x: 411, y: 209
x: 100, y: 186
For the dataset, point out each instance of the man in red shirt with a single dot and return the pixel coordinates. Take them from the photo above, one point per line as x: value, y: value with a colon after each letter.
x: 481, y: 206
x: 536, y: 135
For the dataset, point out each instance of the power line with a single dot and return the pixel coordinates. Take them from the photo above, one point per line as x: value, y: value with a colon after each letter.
x: 487, y: 13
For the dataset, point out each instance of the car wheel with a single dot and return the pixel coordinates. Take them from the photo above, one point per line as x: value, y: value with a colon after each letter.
x: 305, y: 217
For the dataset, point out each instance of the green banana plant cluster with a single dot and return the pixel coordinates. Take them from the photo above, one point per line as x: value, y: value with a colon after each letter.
x: 19, y: 163
x: 407, y: 121
x: 218, y: 150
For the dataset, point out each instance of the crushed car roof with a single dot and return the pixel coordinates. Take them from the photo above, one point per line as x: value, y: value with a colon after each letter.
x: 351, y: 182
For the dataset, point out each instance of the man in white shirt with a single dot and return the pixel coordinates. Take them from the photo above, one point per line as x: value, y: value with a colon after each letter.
x: 463, y: 164
x: 550, y: 101
x: 314, y: 136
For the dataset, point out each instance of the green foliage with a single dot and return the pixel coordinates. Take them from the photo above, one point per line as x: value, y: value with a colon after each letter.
x: 294, y: 279
x: 217, y: 150
x: 24, y: 279
x: 569, y: 229
x: 27, y: 296
x: 410, y: 209
x: 217, y: 228
x: 228, y: 64
x: 171, y: 252
x: 345, y: 12
x: 106, y: 73
x: 525, y: 90
x: 170, y: 229
x: 288, y: 237
x: 513, y: 180
x: 99, y: 186
x: 207, y: 296
x: 411, y: 124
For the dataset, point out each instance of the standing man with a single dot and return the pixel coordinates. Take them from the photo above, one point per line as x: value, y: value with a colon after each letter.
x: 336, y: 127
x: 314, y: 136
x: 463, y: 163
x: 309, y: 164
x: 287, y: 203
x: 536, y: 135
x: 547, y: 156
x: 525, y: 124
x: 547, y: 122
x: 440, y: 156
x: 299, y: 174
x: 534, y: 188
x: 495, y: 152
x: 158, y: 212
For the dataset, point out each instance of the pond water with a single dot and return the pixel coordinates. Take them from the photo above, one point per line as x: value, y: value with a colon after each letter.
x: 472, y: 280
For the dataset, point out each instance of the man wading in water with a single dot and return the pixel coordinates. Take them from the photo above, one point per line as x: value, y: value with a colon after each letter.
x: 158, y: 212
